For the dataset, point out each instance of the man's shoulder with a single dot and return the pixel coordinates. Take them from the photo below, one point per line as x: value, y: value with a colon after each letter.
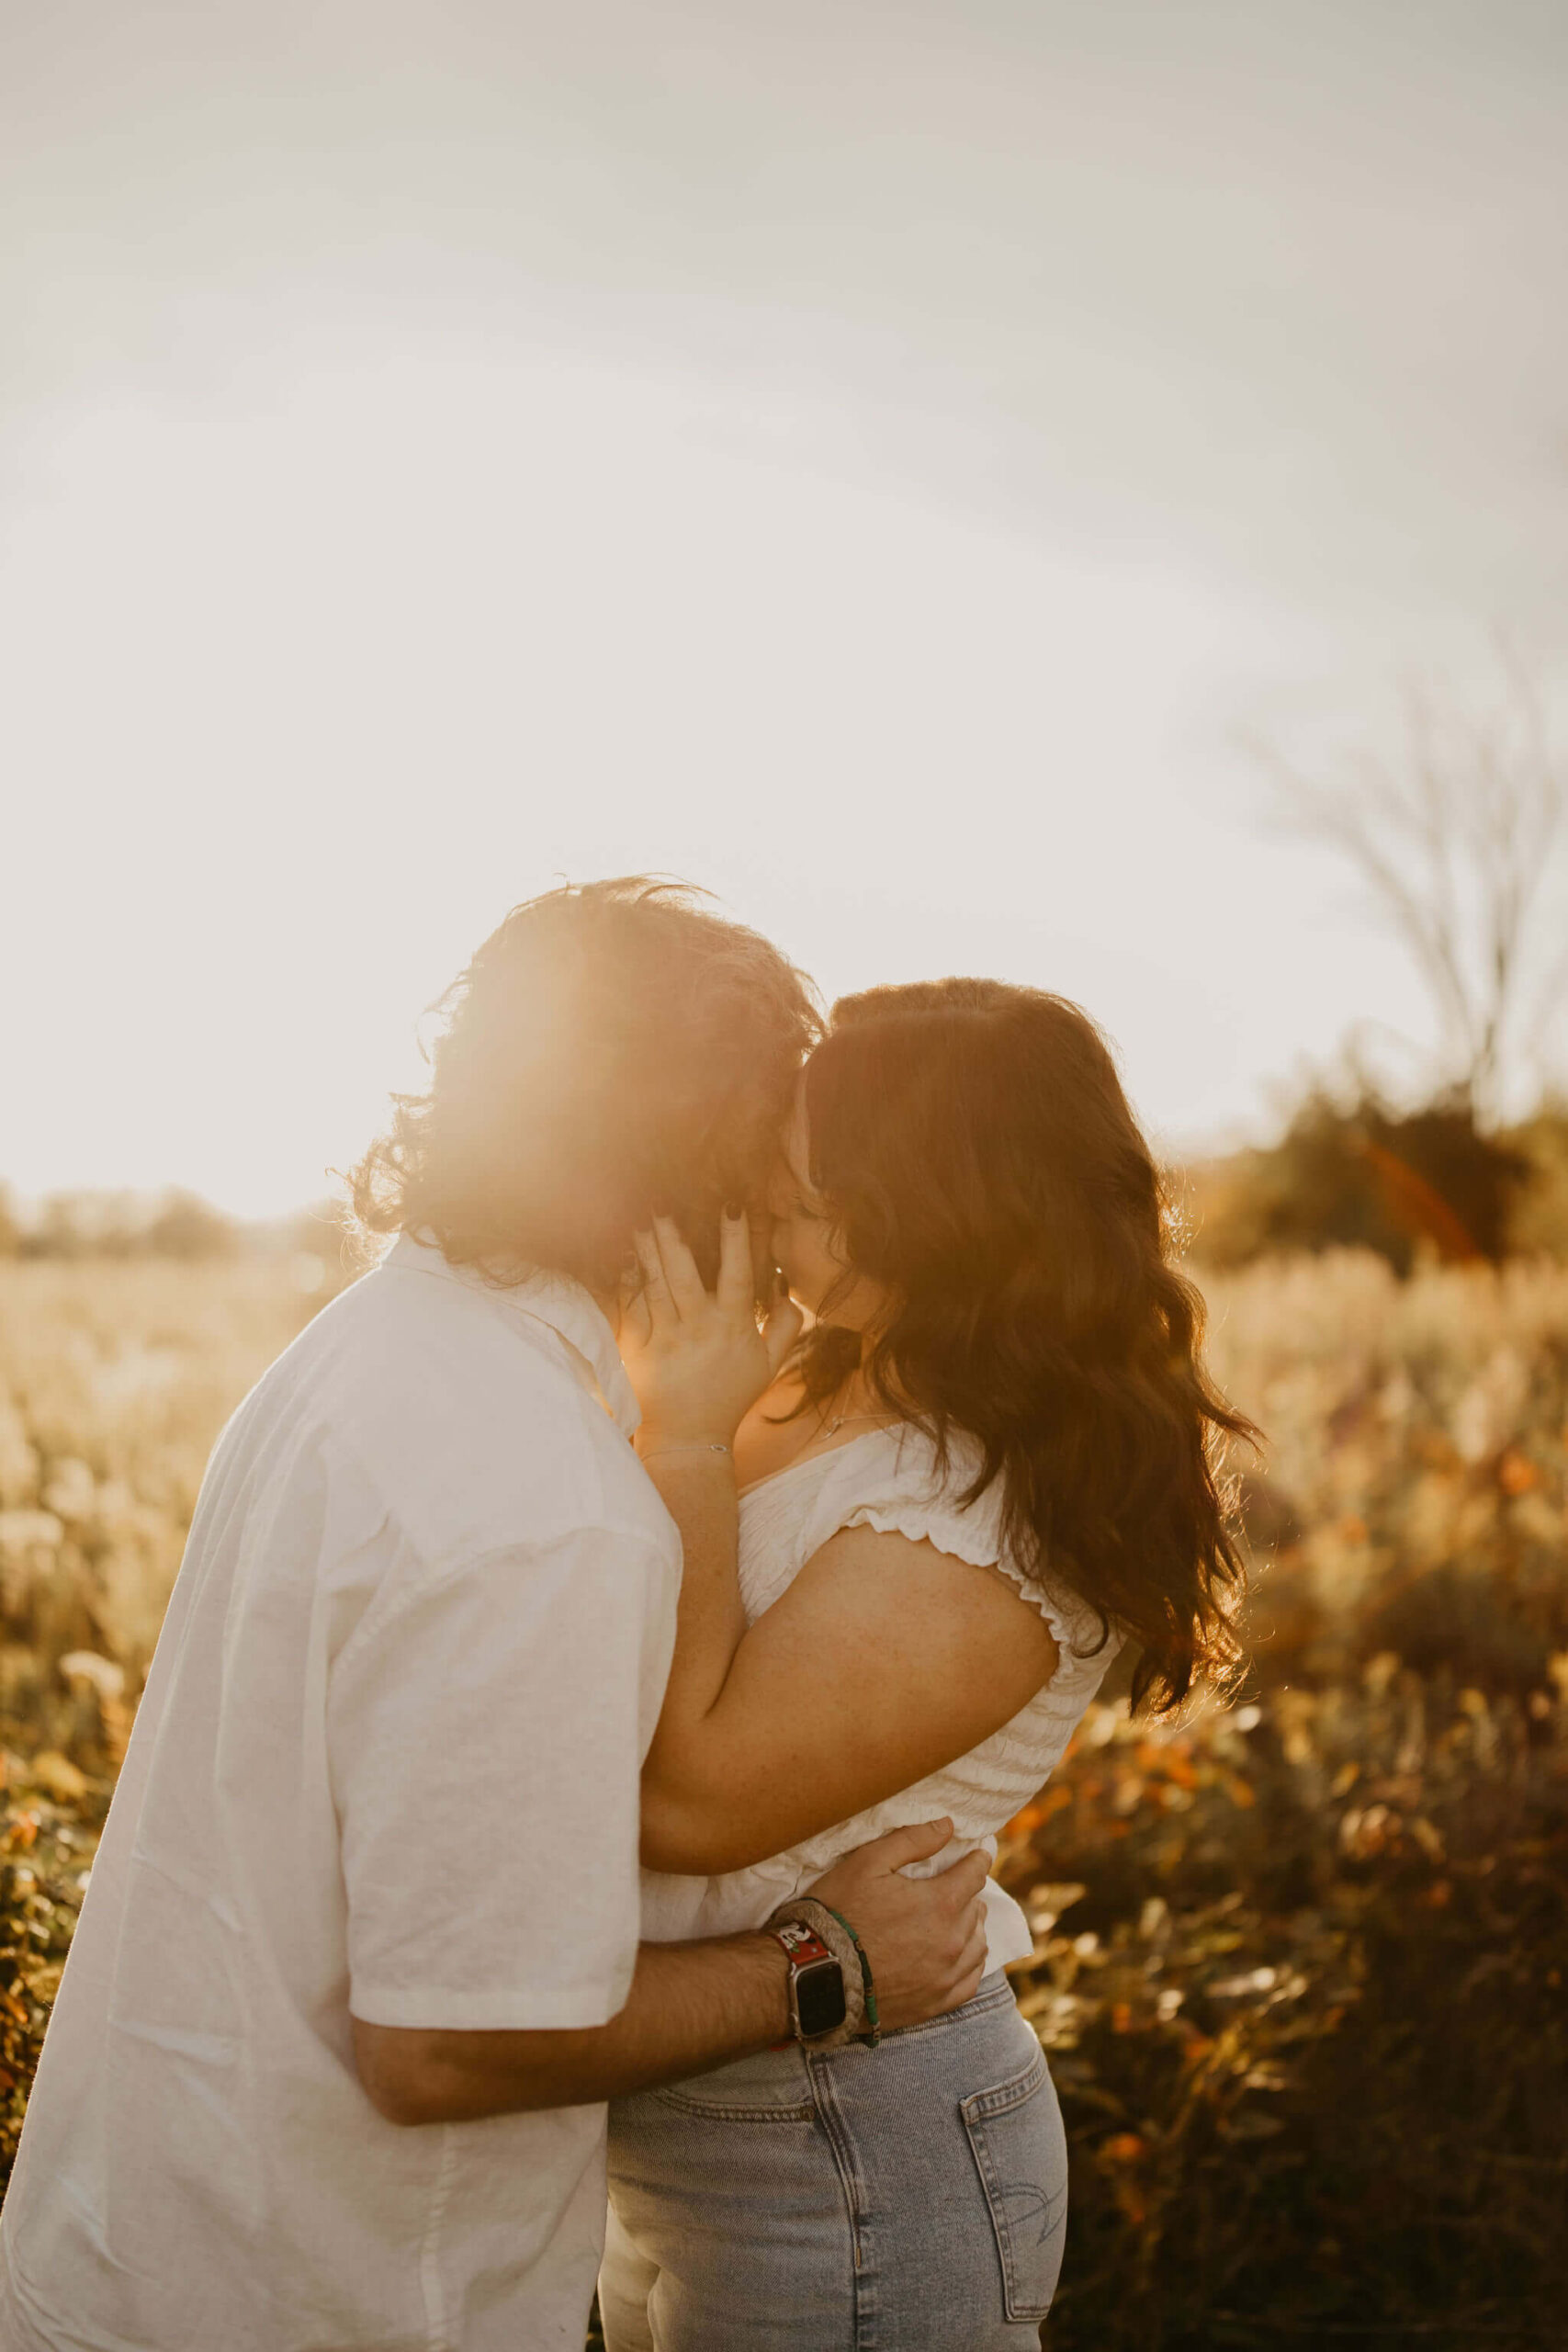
x: 469, y: 1425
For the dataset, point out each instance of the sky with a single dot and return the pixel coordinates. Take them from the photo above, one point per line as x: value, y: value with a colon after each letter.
x: 880, y: 463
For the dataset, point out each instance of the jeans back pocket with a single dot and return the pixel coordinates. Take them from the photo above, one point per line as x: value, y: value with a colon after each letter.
x: 1020, y: 2149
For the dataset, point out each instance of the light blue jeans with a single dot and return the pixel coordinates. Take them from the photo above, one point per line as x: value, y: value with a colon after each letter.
x: 908, y: 2199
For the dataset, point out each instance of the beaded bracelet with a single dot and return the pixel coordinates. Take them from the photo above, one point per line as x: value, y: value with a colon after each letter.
x: 872, y: 2021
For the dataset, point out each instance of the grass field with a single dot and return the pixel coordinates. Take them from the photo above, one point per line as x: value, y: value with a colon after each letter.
x: 1300, y: 1959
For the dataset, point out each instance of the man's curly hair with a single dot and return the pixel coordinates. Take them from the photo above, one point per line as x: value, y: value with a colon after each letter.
x: 612, y: 1049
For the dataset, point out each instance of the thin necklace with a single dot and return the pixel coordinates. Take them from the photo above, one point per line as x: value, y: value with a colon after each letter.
x: 831, y: 1429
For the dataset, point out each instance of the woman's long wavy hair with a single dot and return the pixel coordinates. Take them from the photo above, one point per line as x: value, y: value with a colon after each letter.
x: 974, y: 1148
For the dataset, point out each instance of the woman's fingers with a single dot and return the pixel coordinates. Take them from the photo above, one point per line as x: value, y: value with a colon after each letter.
x: 656, y: 1283
x: 636, y: 1321
x: 680, y: 1267
x: 737, y: 1281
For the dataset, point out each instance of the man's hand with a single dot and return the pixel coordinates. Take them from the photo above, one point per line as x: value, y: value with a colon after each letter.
x: 925, y: 1937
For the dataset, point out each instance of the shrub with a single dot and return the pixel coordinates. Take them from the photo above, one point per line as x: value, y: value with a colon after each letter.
x: 1360, y: 1175
x: 1300, y: 1978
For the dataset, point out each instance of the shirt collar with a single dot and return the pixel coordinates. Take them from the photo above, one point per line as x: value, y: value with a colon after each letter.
x: 562, y: 1306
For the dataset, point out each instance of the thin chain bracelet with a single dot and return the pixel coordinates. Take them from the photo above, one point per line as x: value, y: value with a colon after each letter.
x: 703, y: 1448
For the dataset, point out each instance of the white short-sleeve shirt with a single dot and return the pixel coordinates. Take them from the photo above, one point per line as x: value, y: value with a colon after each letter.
x: 385, y: 1765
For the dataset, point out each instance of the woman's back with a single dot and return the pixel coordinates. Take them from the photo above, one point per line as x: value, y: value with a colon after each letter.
x: 888, y: 1479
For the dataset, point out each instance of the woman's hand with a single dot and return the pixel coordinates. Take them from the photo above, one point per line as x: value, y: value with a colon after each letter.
x: 695, y: 1358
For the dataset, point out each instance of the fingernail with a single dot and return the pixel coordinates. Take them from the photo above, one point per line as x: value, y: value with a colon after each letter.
x: 735, y: 1208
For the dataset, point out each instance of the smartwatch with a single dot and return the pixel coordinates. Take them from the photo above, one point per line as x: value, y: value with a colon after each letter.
x: 817, y: 2003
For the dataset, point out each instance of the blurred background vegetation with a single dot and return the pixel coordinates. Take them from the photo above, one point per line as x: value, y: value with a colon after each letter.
x: 1300, y: 1956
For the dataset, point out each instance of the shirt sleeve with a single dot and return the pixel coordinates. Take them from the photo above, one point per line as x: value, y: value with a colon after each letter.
x: 912, y: 1496
x: 485, y: 1739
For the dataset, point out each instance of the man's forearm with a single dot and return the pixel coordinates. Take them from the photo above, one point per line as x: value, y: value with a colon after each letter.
x: 692, y: 2007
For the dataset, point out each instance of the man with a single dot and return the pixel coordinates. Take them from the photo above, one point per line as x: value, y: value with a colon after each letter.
x: 359, y: 1960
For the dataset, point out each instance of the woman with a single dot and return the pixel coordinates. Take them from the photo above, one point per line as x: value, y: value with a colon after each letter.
x: 988, y: 1463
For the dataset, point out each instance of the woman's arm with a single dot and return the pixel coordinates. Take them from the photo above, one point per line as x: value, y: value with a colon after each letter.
x: 698, y: 1363
x: 884, y: 1660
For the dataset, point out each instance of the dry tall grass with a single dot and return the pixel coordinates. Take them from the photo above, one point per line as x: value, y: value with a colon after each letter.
x: 114, y: 1380
x: 1301, y: 1959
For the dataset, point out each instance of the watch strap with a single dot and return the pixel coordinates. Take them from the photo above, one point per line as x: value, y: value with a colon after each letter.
x: 810, y: 1961
x: 800, y: 1941
x: 803, y: 1911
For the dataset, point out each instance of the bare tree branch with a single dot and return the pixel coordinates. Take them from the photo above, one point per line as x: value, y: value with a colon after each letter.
x: 1455, y: 847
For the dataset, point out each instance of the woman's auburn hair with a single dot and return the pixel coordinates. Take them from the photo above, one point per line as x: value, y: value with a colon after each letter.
x: 612, y: 1049
x: 975, y: 1151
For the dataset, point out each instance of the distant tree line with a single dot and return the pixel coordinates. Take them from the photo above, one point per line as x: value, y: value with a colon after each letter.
x: 175, y: 1224
x: 1350, y: 1172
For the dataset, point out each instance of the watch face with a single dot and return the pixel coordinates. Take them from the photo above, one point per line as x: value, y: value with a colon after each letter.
x: 819, y: 1996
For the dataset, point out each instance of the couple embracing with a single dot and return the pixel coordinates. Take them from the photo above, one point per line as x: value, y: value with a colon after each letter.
x: 744, y: 1465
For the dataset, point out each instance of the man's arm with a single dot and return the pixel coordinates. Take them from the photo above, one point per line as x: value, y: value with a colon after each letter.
x: 697, y: 2006
x: 692, y: 2007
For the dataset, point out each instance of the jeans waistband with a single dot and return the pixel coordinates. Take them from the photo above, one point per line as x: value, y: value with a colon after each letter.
x: 994, y: 1990
x: 778, y: 2080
